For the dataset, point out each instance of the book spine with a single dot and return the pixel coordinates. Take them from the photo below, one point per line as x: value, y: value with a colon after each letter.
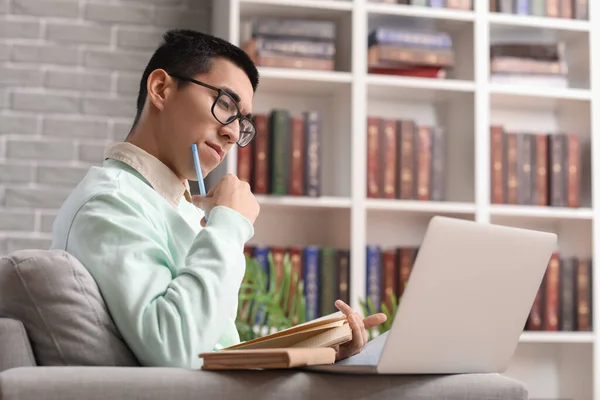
x: 388, y: 159
x: 280, y: 129
x: 244, y: 163
x: 373, y: 134
x: 556, y: 162
x: 311, y: 282
x: 287, y: 27
x: 541, y: 162
x: 511, y: 169
x: 261, y: 254
x: 552, y: 294
x: 538, y: 8
x: 553, y: 8
x: 312, y: 152
x: 573, y: 170
x: 568, y: 287
x: 424, y: 157
x: 438, y: 164
x: 262, y: 151
x: 328, y: 284
x: 584, y: 295
x: 294, y: 47
x: 374, y: 276
x: 581, y: 9
x: 405, y: 258
x: 497, y: 164
x: 389, y: 277
x: 409, y: 39
x: 522, y: 7
x: 407, y: 151
x: 296, y: 180
x: 343, y: 266
x: 566, y: 9
x: 506, y: 6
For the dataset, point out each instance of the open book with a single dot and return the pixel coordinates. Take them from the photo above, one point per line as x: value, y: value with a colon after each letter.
x: 305, y: 344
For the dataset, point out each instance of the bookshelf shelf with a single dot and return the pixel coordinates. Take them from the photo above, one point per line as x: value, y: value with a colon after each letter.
x: 298, y: 8
x: 306, y: 82
x: 408, y: 88
x: 421, y: 12
x: 558, y: 337
x: 465, y: 104
x: 421, y: 207
x: 536, y: 98
x: 303, y: 202
x: 569, y: 26
x: 557, y: 213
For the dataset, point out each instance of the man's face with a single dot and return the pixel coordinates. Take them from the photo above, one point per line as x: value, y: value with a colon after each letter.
x: 187, y: 119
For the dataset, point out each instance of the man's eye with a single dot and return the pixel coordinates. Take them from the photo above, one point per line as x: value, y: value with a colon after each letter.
x: 226, y: 105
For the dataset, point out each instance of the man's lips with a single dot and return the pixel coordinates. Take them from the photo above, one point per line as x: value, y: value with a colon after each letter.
x: 217, y: 150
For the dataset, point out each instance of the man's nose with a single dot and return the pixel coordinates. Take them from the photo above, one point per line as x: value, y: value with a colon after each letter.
x: 231, y: 131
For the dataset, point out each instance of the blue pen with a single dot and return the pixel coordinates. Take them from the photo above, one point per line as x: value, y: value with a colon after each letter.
x: 199, y: 172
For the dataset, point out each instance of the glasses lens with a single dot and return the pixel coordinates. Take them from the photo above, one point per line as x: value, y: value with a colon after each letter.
x: 225, y: 109
x: 247, y: 132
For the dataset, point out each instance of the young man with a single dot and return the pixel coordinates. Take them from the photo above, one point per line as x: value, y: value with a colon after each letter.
x: 169, y: 276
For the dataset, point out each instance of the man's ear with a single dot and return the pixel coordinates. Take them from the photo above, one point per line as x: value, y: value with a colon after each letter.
x: 160, y: 86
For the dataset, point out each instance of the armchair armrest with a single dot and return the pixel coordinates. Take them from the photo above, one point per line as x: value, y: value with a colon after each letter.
x: 15, y: 349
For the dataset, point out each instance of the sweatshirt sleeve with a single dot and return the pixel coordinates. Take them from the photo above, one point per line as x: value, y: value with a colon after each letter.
x: 167, y: 314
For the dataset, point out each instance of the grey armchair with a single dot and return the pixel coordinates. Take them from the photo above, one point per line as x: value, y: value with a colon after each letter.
x: 57, y: 341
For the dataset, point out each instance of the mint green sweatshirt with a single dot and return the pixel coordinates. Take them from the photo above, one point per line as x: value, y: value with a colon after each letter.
x: 170, y: 285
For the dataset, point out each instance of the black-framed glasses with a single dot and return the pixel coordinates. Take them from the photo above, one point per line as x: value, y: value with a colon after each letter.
x: 225, y: 111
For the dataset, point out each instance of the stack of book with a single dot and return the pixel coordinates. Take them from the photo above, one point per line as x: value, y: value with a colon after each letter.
x: 571, y: 9
x: 529, y: 63
x: 409, y: 52
x: 405, y: 160
x: 291, y: 43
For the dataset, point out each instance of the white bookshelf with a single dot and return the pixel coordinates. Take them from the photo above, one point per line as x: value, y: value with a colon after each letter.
x: 552, y: 364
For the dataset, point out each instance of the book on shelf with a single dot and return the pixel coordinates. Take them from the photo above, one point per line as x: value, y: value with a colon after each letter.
x: 449, y: 4
x: 530, y: 168
x: 568, y: 9
x: 290, y: 43
x: 529, y: 63
x: 309, y: 343
x: 409, y: 52
x: 564, y: 299
x: 405, y: 160
x: 285, y: 156
x: 325, y: 271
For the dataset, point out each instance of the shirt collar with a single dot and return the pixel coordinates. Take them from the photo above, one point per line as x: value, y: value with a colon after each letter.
x: 160, y: 177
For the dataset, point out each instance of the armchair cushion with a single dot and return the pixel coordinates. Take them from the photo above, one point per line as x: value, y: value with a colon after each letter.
x: 15, y: 349
x: 61, y: 308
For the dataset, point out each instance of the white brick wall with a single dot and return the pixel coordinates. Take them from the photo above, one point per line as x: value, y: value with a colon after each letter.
x: 69, y: 71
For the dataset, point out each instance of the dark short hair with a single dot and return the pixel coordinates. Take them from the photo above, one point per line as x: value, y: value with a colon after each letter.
x: 187, y: 52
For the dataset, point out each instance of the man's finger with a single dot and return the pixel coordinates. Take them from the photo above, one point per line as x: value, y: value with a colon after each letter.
x: 357, y: 334
x: 343, y: 307
x: 374, y: 320
x: 198, y: 201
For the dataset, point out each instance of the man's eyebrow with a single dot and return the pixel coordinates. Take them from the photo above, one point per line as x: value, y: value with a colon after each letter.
x: 232, y: 93
x: 235, y: 97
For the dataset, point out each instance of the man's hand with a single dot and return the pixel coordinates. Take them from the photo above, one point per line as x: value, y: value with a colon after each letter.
x: 229, y: 192
x: 359, y: 328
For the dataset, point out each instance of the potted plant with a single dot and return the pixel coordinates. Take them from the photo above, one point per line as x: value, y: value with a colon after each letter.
x: 260, y: 296
x: 368, y: 308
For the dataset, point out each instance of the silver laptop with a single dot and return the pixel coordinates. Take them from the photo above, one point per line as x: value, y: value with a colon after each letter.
x: 465, y: 305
